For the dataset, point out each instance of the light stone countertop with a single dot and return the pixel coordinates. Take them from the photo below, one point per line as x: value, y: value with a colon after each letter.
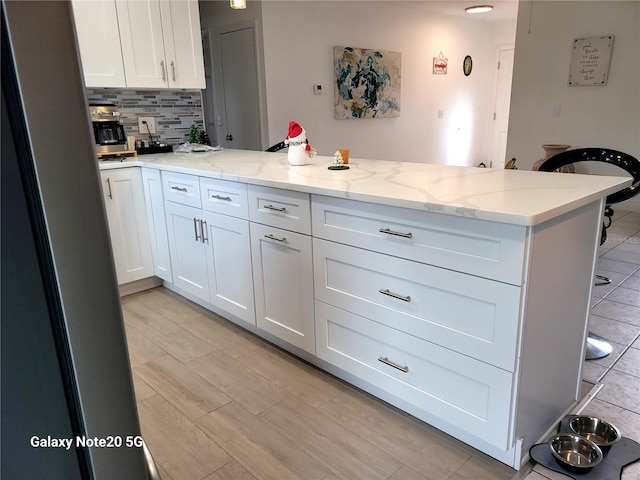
x: 517, y: 197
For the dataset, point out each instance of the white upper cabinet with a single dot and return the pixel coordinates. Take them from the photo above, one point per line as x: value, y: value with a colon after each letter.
x: 161, y: 43
x: 140, y: 43
x: 99, y: 43
x: 183, y: 43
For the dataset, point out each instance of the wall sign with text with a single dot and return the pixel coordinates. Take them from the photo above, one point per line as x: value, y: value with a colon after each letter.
x: 590, y: 59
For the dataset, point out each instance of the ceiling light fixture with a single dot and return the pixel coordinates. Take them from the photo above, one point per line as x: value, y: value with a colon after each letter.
x: 479, y: 9
x: 238, y: 4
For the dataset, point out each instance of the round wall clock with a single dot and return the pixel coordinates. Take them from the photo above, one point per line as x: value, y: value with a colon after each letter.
x: 467, y: 65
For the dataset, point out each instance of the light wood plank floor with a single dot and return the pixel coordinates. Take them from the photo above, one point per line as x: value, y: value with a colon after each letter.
x: 216, y: 402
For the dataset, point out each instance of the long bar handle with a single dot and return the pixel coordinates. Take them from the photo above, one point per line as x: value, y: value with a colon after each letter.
x: 388, y: 231
x: 109, y: 185
x: 173, y: 70
x: 203, y: 230
x: 388, y: 292
x: 164, y: 75
x: 277, y: 239
x: 180, y: 189
x: 220, y: 197
x: 386, y: 361
x: 195, y: 228
x: 275, y: 209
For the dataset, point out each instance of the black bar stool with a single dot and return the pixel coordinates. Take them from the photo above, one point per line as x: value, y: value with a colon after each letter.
x: 598, y: 347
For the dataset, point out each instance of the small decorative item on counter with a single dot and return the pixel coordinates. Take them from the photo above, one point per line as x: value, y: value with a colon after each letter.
x: 194, y: 134
x: 300, y: 152
x: 338, y: 162
x: 511, y: 165
x: 204, y: 138
x: 345, y: 155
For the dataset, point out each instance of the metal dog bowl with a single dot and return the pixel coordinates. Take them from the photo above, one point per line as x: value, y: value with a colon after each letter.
x: 598, y: 431
x: 575, y: 453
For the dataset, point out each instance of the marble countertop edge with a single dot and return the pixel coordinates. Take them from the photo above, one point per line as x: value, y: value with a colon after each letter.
x: 515, y: 197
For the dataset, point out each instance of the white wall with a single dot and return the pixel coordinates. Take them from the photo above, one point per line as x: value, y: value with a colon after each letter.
x: 298, y: 46
x: 590, y: 116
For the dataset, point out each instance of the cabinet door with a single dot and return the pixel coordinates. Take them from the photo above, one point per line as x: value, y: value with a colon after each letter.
x: 127, y: 216
x: 229, y: 265
x: 157, y: 223
x: 188, y: 252
x: 99, y: 42
x: 183, y: 43
x: 283, y: 284
x: 142, y: 43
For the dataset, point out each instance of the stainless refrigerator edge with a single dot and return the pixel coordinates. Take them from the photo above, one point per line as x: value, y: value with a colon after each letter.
x: 64, y: 360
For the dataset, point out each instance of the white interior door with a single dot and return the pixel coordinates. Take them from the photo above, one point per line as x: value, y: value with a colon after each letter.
x: 501, y: 111
x: 240, y: 85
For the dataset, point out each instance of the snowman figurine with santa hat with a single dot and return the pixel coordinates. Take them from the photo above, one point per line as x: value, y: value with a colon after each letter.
x: 300, y: 152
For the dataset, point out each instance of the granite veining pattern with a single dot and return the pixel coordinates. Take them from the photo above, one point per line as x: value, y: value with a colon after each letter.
x: 508, y: 196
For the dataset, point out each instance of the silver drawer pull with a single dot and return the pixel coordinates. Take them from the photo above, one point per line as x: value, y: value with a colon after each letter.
x: 220, y: 197
x: 195, y: 228
x: 203, y: 231
x: 275, y: 209
x: 180, y: 189
x: 388, y: 292
x: 386, y: 361
x: 388, y: 231
x: 271, y: 237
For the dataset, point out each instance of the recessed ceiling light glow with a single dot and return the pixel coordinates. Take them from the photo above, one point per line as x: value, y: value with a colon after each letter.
x: 479, y: 9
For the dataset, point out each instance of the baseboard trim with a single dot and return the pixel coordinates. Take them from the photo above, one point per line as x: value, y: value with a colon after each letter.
x: 139, y: 286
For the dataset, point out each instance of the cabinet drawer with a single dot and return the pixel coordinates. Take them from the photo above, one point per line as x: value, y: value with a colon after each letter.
x: 181, y: 188
x: 488, y: 249
x: 447, y: 386
x: 471, y: 315
x: 280, y: 208
x: 221, y: 196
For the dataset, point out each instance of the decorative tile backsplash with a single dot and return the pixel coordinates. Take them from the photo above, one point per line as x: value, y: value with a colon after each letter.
x: 174, y: 111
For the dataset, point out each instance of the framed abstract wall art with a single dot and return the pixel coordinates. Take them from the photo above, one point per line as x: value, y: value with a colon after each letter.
x: 367, y: 83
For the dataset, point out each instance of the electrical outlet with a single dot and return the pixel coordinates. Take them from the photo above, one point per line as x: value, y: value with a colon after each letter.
x: 151, y: 123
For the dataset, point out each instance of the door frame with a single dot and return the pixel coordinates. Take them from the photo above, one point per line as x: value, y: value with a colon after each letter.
x: 494, y: 99
x: 218, y: 84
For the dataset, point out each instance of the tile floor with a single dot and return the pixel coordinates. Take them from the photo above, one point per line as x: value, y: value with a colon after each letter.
x: 616, y: 317
x: 218, y: 403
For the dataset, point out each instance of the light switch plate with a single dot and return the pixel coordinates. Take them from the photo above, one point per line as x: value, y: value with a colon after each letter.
x: 151, y: 122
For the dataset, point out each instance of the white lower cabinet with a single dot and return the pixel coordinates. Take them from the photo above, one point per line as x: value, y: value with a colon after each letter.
x: 157, y: 223
x: 447, y: 318
x: 283, y: 284
x: 228, y: 252
x: 127, y: 217
x: 466, y: 393
x: 188, y: 251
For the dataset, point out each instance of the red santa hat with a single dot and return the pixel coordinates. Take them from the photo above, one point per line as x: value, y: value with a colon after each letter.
x: 295, y: 130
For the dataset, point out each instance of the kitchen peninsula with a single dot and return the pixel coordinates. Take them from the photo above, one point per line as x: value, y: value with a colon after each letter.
x: 460, y: 295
